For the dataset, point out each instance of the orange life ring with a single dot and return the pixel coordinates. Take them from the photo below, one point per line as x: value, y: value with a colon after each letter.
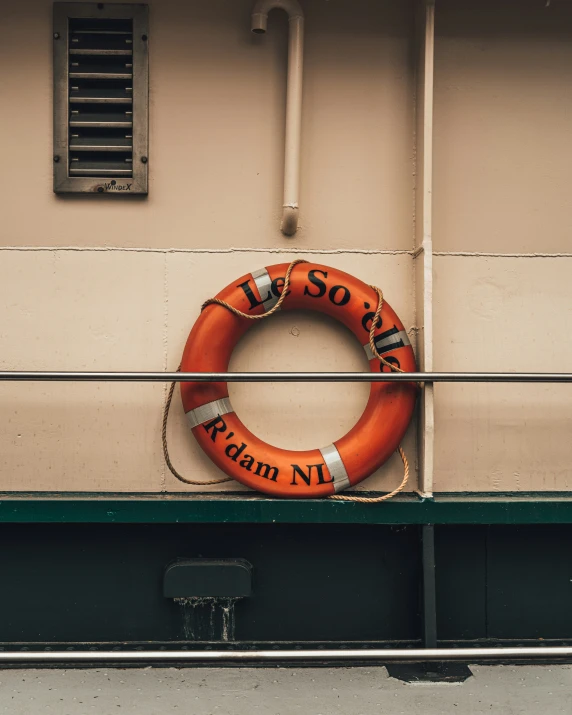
x: 281, y: 472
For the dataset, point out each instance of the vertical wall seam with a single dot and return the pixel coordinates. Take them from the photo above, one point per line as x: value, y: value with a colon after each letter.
x: 165, y: 355
x: 415, y: 62
x: 415, y: 252
x: 422, y: 255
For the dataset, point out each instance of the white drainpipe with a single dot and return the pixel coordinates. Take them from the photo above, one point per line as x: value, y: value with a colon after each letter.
x: 293, y: 101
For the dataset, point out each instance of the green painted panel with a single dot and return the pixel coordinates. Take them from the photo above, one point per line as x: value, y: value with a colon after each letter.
x: 407, y: 509
x: 529, y: 582
x: 461, y: 582
x: 335, y: 583
x: 104, y: 582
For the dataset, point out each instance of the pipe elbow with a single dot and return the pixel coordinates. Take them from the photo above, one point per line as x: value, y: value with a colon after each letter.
x: 289, y: 224
x: 259, y: 22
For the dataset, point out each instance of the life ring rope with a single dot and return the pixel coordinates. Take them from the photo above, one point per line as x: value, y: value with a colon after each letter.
x: 267, y: 314
x: 383, y: 497
x: 166, y: 454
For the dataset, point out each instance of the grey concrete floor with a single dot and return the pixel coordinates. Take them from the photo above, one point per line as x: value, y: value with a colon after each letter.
x: 521, y: 690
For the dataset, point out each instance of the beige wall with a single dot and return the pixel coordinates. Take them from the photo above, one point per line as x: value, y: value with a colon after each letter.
x: 502, y: 314
x: 126, y: 291
x: 217, y: 116
x: 503, y: 105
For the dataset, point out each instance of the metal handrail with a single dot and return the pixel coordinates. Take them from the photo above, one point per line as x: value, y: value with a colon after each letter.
x: 382, y: 655
x: 429, y: 377
x: 365, y: 654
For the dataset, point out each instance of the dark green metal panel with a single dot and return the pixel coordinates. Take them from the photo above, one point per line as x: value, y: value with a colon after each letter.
x: 205, y: 509
x: 529, y: 582
x: 309, y: 583
x: 428, y: 600
x: 461, y: 576
x: 331, y: 583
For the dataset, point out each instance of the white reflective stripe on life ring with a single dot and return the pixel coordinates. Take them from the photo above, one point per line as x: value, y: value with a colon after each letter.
x: 264, y: 284
x: 336, y: 467
x: 209, y: 411
x: 387, y: 344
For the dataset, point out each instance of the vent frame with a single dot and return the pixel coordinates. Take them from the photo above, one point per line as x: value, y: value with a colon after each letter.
x: 138, y: 14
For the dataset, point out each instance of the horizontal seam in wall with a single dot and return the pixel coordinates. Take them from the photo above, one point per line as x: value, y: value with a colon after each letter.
x: 478, y: 254
x: 294, y: 249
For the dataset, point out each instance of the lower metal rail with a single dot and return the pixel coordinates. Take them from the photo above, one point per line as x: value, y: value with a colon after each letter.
x: 261, y: 656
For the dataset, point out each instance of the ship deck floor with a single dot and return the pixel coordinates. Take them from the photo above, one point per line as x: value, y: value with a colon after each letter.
x: 506, y: 689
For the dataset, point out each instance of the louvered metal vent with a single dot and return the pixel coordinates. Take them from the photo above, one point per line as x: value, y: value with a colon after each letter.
x: 100, y: 98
